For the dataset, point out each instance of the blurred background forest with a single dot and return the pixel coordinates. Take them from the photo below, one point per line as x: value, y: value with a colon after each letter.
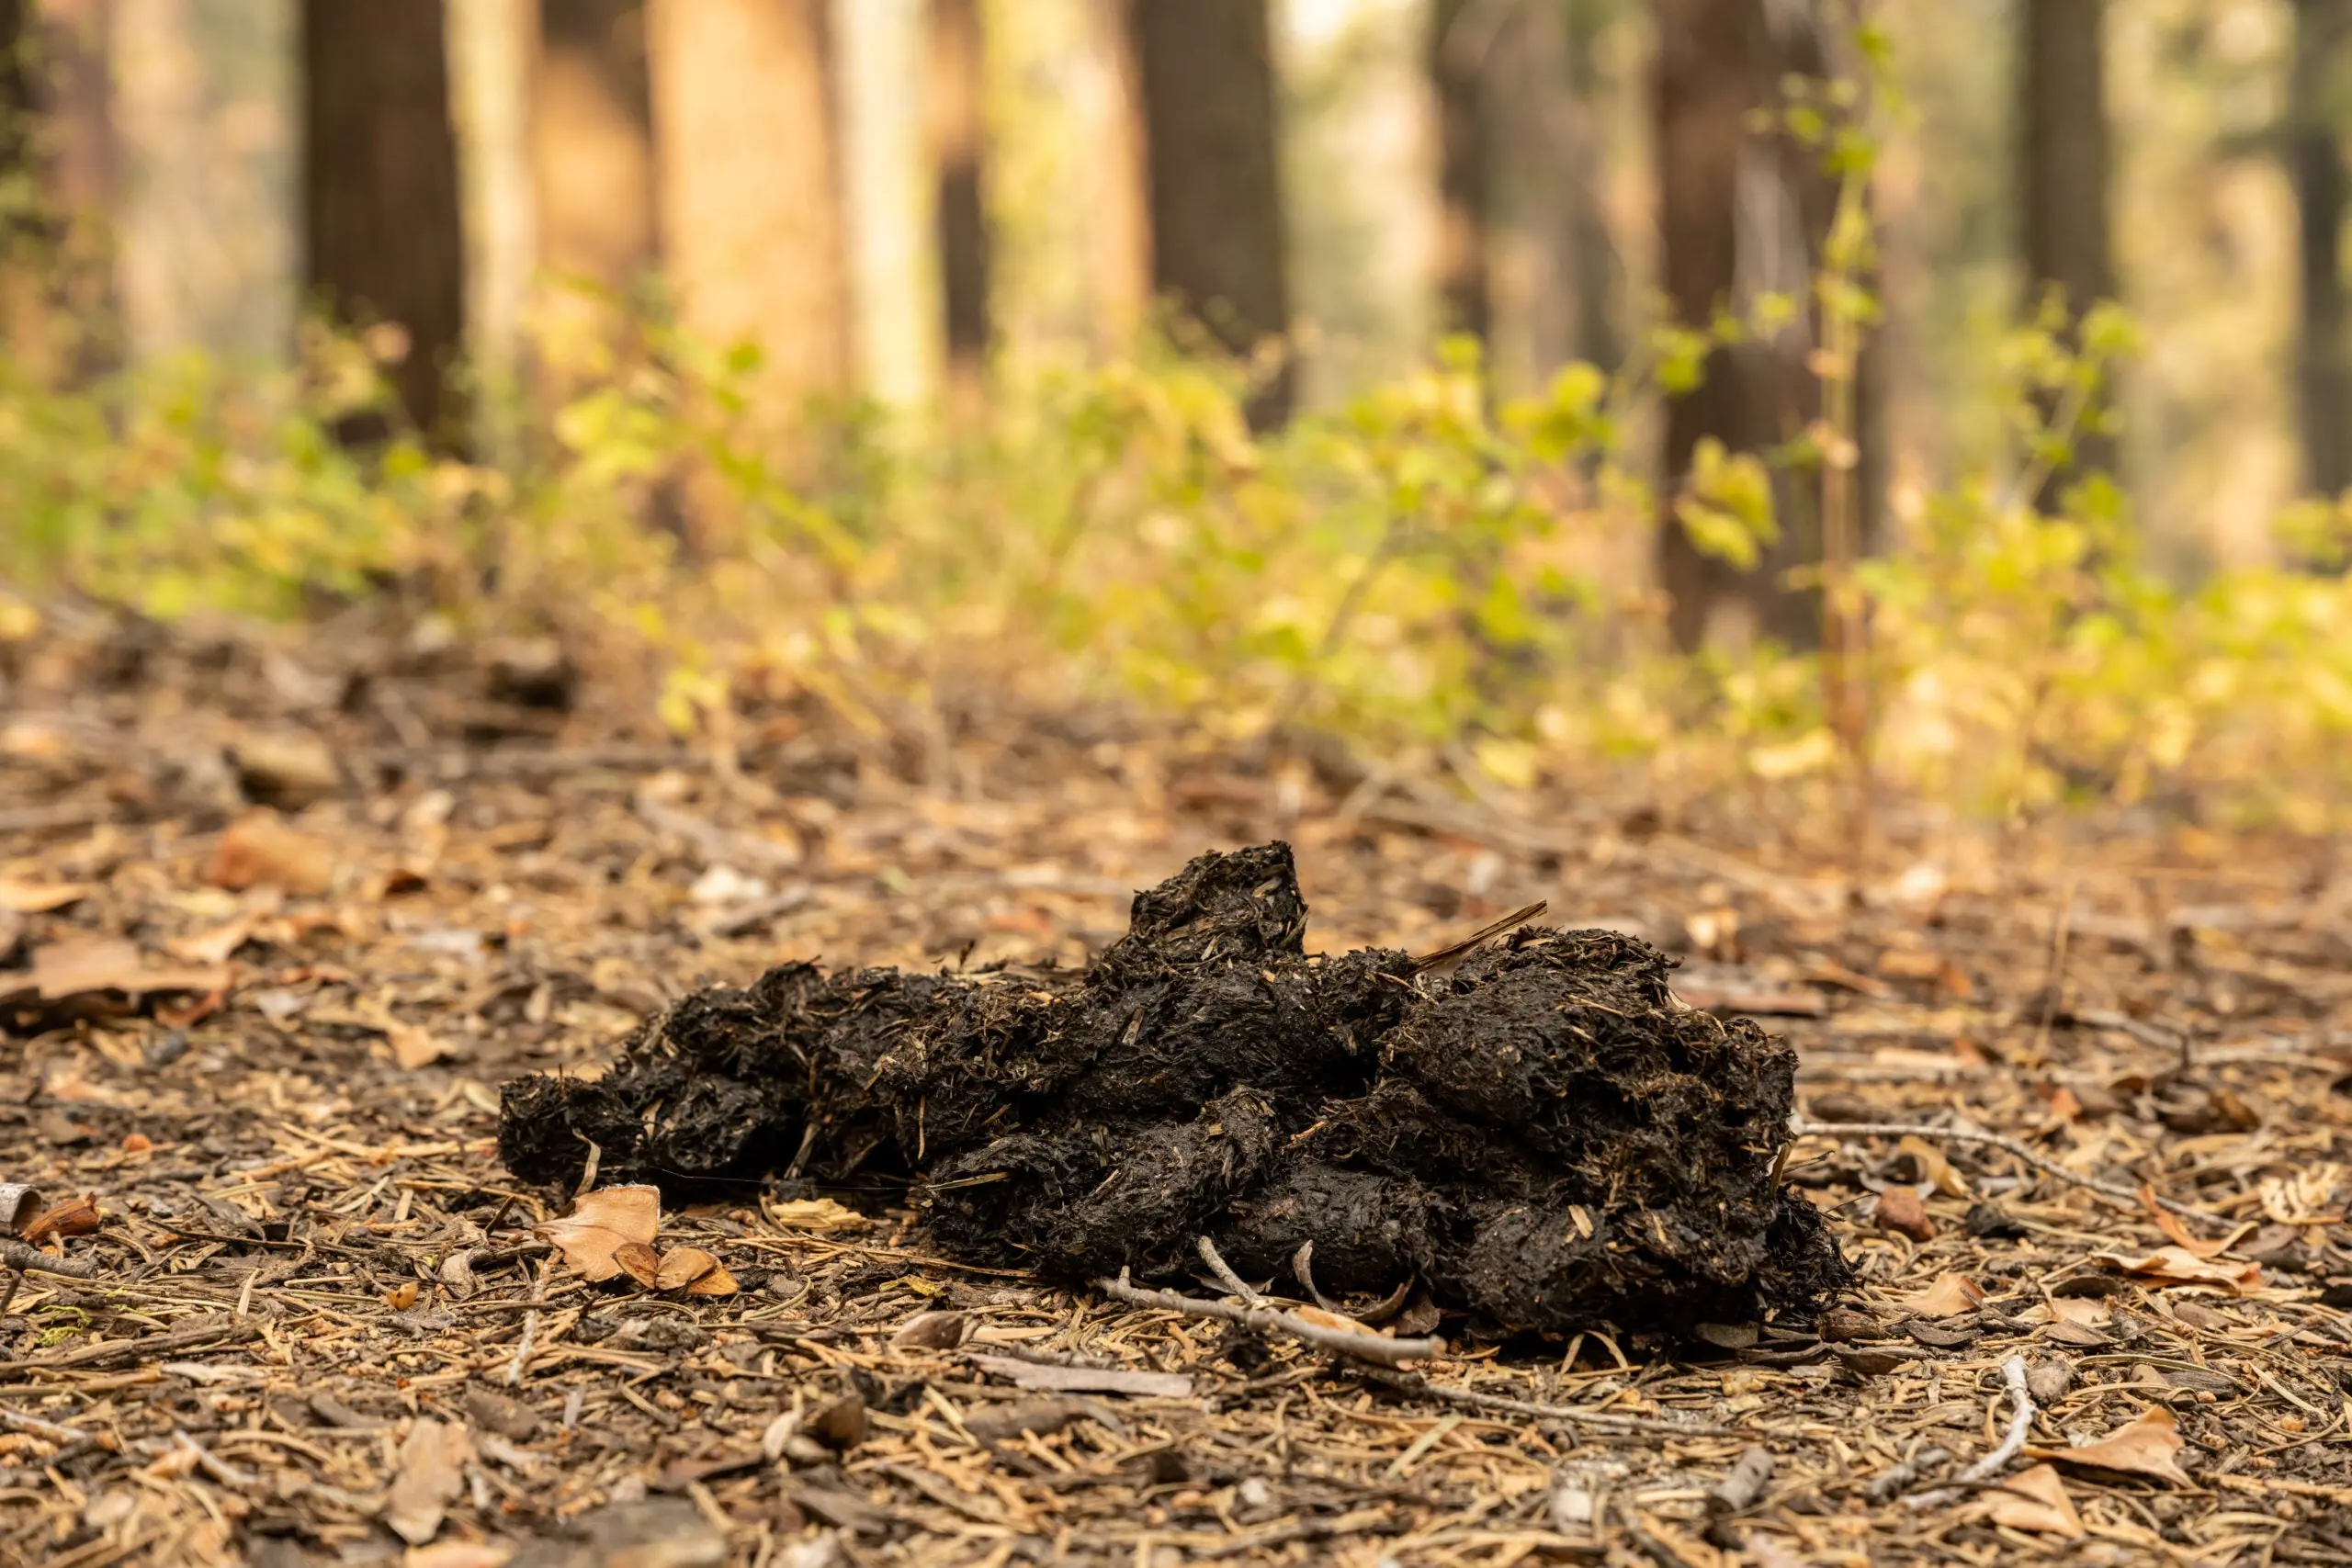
x: 1948, y: 400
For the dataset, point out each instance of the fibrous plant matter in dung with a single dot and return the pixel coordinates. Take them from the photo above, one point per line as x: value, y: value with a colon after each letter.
x: 1544, y: 1136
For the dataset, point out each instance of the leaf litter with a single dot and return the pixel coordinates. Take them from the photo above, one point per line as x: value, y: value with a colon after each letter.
x: 307, y: 1252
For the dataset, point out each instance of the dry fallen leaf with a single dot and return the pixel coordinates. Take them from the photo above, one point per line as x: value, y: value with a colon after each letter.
x: 38, y: 899
x: 2304, y: 1198
x: 1933, y: 1166
x: 260, y: 849
x: 2180, y: 1233
x: 2178, y: 1266
x: 77, y: 1216
x: 2088, y: 1312
x: 1899, y: 1209
x: 816, y: 1214
x: 1950, y: 1295
x: 86, y: 965
x: 2036, y: 1500
x: 603, y: 1221
x: 638, y: 1261
x: 2144, y: 1446
x: 932, y: 1331
x: 718, y: 1281
x: 1337, y: 1322
x: 214, y: 946
x: 432, y: 1472
x: 413, y: 1047
x: 680, y: 1266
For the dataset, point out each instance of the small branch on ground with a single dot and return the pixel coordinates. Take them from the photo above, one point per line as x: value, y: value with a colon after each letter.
x: 1738, y: 1492
x: 2124, y: 1197
x: 16, y: 1255
x: 530, y: 1329
x: 1898, y: 1479
x: 2021, y: 1412
x: 1374, y: 1347
x: 1227, y: 1277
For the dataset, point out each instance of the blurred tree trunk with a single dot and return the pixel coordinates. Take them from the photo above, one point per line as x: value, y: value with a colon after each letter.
x: 749, y: 187
x: 591, y: 142
x: 16, y: 106
x: 83, y: 158
x: 1600, y: 267
x: 1119, y: 259
x: 958, y: 142
x: 1458, y: 48
x: 1742, y: 213
x: 2315, y: 155
x: 380, y: 225
x: 2062, y: 183
x: 1217, y: 242
x: 1547, y: 140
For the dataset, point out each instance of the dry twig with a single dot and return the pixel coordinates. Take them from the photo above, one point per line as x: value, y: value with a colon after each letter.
x: 16, y: 1255
x: 2021, y: 1412
x: 530, y: 1328
x: 1374, y: 1347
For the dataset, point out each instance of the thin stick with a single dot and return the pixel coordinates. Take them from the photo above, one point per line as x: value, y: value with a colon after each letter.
x: 530, y: 1327
x: 1371, y: 1348
x: 1224, y: 1272
x: 2053, y: 981
x: 1413, y: 1382
x: 1899, y: 1478
x: 2021, y: 1412
x: 15, y: 1255
x: 49, y: 1430
x: 2123, y: 1196
x: 1482, y: 935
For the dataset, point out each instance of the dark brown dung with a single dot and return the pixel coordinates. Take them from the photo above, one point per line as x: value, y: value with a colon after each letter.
x: 1543, y: 1138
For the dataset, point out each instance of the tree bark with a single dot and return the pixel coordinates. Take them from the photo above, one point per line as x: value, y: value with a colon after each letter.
x: 380, y: 213
x: 1742, y: 212
x: 749, y: 187
x: 2315, y: 156
x: 18, y: 109
x: 81, y: 158
x: 2062, y: 184
x: 591, y: 142
x: 959, y: 143
x: 1218, y: 239
x: 1457, y: 72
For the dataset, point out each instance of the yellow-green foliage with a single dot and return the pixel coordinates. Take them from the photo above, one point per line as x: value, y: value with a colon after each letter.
x: 1421, y: 572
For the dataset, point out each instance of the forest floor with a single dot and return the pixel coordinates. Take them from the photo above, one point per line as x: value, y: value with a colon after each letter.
x: 313, y: 1323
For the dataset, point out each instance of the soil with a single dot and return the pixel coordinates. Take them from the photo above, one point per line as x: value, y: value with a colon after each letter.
x: 310, y: 1275
x: 1544, y: 1138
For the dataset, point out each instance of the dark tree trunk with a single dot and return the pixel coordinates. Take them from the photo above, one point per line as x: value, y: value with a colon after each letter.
x: 591, y: 142
x: 381, y: 226
x: 1742, y: 212
x: 1218, y: 243
x: 1457, y: 71
x: 2063, y: 183
x: 83, y: 158
x: 1547, y: 140
x: 2315, y: 153
x: 16, y: 103
x: 959, y: 143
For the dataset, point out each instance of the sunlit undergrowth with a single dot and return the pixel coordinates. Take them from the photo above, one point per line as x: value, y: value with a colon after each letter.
x: 1433, y: 577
